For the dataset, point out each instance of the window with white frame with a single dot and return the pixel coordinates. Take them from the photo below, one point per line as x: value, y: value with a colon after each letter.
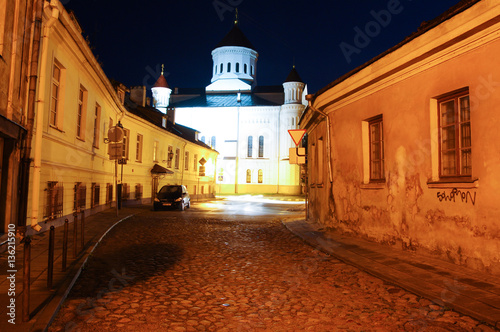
x: 81, y: 113
x: 250, y: 147
x: 125, y: 148
x: 261, y: 146
x: 56, y: 93
x: 186, y: 160
x: 455, y: 144
x: 138, y: 149
x: 170, y: 155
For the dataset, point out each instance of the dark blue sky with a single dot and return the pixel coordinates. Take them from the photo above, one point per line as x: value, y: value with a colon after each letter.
x: 133, y: 38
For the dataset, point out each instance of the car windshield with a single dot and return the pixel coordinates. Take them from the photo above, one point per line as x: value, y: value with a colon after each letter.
x: 170, y: 190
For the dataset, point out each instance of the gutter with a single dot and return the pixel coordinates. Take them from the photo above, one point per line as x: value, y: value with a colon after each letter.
x: 40, y: 104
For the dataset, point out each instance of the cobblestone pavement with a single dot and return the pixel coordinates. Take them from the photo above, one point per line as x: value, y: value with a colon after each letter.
x: 175, y: 271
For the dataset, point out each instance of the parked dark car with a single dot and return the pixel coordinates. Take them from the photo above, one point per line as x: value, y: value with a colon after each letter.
x: 172, y: 196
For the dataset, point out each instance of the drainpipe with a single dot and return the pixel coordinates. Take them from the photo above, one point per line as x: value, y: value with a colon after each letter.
x: 328, y: 149
x: 40, y: 104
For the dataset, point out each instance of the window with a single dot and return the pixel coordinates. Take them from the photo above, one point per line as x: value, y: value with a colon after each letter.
x: 81, y: 113
x: 250, y: 146
x: 203, y: 139
x: 212, y: 142
x: 251, y: 69
x: 56, y: 94
x: 109, y: 193
x: 186, y: 160
x: 215, y: 70
x: 376, y: 135
x: 245, y: 68
x: 155, y: 151
x: 237, y: 67
x: 80, y: 195
x: 126, y: 135
x: 96, y: 190
x: 97, y: 124
x: 125, y: 191
x: 261, y: 176
x: 221, y: 67
x: 249, y: 176
x: 261, y: 146
x: 170, y: 155
x: 195, y: 163
x: 455, y: 136
x: 138, y: 149
x: 54, y: 204
x: 177, y: 157
x: 138, y: 191
x: 229, y: 67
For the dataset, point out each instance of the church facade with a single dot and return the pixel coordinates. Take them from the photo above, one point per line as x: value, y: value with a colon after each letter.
x: 247, y: 124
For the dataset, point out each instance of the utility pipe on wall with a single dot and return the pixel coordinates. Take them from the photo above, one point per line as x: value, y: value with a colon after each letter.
x: 328, y: 149
x: 40, y: 104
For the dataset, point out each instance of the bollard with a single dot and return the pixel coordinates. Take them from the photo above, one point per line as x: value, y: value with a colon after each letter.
x: 65, y: 245
x: 26, y: 279
x: 50, y: 265
x: 82, y: 229
x: 75, y: 235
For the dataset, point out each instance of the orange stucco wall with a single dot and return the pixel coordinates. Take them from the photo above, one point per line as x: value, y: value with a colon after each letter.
x: 405, y: 210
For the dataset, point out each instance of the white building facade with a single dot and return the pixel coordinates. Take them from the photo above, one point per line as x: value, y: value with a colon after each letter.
x: 247, y: 124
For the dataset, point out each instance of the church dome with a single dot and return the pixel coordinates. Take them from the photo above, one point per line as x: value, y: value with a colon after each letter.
x: 293, y: 76
x: 235, y: 37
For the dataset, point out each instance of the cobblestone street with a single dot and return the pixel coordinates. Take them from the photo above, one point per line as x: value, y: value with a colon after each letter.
x: 183, y: 271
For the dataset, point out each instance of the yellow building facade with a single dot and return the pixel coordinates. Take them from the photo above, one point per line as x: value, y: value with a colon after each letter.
x: 404, y: 150
x: 76, y: 106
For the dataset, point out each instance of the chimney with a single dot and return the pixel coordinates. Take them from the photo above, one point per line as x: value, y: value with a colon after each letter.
x: 138, y: 95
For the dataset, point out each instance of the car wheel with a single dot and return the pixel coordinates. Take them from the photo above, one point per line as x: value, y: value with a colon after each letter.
x: 188, y: 204
x: 181, y: 206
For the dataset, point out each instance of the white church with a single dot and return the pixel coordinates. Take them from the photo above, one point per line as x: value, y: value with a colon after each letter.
x: 247, y: 124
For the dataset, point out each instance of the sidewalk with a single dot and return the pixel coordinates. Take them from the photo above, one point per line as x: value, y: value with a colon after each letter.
x: 44, y: 302
x: 464, y: 290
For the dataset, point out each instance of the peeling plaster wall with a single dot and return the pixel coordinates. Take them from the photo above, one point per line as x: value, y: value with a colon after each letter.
x: 453, y: 221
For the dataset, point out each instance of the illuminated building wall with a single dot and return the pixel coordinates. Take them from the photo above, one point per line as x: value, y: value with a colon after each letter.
x: 408, y: 155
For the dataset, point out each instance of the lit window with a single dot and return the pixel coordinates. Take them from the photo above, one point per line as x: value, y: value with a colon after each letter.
x: 376, y: 133
x: 455, y: 140
x: 186, y: 160
x: 261, y: 176
x: 249, y: 176
x: 138, y: 149
x: 250, y: 146
x: 81, y: 113
x: 261, y: 146
x: 97, y: 124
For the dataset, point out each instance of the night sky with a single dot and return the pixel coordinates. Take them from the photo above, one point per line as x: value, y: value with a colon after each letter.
x: 131, y: 39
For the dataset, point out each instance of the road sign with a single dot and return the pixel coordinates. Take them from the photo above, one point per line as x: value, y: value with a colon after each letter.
x: 202, y: 170
x: 115, y: 150
x: 122, y: 161
x: 297, y: 135
x: 115, y: 134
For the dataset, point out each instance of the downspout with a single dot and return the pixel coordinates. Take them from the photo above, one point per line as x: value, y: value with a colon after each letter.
x: 330, y: 176
x: 24, y: 167
x: 40, y: 104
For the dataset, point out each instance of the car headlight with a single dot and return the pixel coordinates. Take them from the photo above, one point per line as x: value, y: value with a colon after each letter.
x: 156, y: 199
x: 178, y: 199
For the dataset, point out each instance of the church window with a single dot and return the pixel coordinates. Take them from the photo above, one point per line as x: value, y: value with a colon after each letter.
x: 237, y: 67
x: 215, y: 71
x: 250, y: 146
x: 261, y: 176
x: 249, y: 176
x: 229, y: 67
x: 261, y: 146
x: 203, y: 139
x: 221, y: 67
x: 245, y: 68
x: 251, y: 69
x: 212, y: 142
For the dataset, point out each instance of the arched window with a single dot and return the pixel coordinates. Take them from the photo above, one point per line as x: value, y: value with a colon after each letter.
x: 261, y: 146
x: 212, y: 142
x: 245, y: 68
x: 237, y: 67
x: 229, y: 67
x: 203, y: 139
x: 215, y: 71
x: 251, y: 68
x: 249, y: 176
x: 250, y: 146
x: 261, y: 176
x: 221, y: 67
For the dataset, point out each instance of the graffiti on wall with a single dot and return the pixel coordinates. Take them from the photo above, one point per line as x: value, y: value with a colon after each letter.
x: 464, y: 196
